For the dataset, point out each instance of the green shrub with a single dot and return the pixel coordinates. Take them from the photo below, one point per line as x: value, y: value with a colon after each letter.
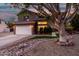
x: 75, y: 22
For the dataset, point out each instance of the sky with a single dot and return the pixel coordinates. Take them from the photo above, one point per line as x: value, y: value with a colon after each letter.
x: 5, y: 7
x: 8, y: 13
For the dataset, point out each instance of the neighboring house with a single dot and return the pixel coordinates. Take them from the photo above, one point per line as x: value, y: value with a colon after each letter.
x: 3, y: 27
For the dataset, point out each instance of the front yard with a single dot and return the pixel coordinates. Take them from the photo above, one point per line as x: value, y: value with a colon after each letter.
x: 41, y: 47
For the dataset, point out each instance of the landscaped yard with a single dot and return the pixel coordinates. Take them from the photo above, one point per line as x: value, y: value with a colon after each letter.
x: 41, y: 47
x: 44, y: 36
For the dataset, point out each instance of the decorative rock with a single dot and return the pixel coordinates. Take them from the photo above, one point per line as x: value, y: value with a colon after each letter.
x: 65, y: 43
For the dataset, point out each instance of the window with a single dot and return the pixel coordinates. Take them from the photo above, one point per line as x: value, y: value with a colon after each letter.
x: 42, y: 22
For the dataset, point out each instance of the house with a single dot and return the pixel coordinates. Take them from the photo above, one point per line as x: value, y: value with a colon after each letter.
x: 3, y: 26
x: 29, y: 27
x: 24, y: 28
x: 25, y: 14
x: 29, y: 24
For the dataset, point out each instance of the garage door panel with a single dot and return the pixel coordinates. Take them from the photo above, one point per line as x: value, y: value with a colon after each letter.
x: 24, y: 30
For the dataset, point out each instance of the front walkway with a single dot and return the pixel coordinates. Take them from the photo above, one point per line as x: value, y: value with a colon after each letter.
x: 7, y: 40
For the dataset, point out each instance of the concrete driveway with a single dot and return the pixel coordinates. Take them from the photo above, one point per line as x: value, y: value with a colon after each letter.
x: 7, y: 40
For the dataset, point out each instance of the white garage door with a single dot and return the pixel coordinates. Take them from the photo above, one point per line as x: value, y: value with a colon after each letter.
x: 24, y: 30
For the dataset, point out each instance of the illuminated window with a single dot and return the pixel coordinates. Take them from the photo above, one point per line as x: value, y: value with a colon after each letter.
x: 43, y: 26
x: 42, y: 22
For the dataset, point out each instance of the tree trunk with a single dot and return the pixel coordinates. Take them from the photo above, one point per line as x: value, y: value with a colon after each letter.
x: 64, y: 38
x: 62, y: 34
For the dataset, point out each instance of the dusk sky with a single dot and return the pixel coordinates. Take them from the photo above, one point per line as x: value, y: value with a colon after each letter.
x: 7, y: 8
x: 9, y: 13
x: 6, y: 12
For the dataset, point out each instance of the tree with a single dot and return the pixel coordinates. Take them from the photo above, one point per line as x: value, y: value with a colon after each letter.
x: 57, y: 14
x: 75, y: 23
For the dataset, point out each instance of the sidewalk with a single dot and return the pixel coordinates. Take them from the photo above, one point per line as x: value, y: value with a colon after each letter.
x: 7, y: 40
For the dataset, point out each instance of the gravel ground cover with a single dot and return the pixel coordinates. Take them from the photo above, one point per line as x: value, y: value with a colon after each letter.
x: 41, y: 47
x: 20, y: 48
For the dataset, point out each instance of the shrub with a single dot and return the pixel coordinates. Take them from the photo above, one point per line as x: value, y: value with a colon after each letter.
x: 75, y: 23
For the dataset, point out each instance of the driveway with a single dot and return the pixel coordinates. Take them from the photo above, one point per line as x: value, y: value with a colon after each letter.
x: 2, y: 34
x: 9, y: 39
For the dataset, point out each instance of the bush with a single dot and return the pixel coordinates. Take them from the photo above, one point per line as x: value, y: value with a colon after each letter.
x: 47, y: 30
x: 41, y: 31
x: 75, y: 22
